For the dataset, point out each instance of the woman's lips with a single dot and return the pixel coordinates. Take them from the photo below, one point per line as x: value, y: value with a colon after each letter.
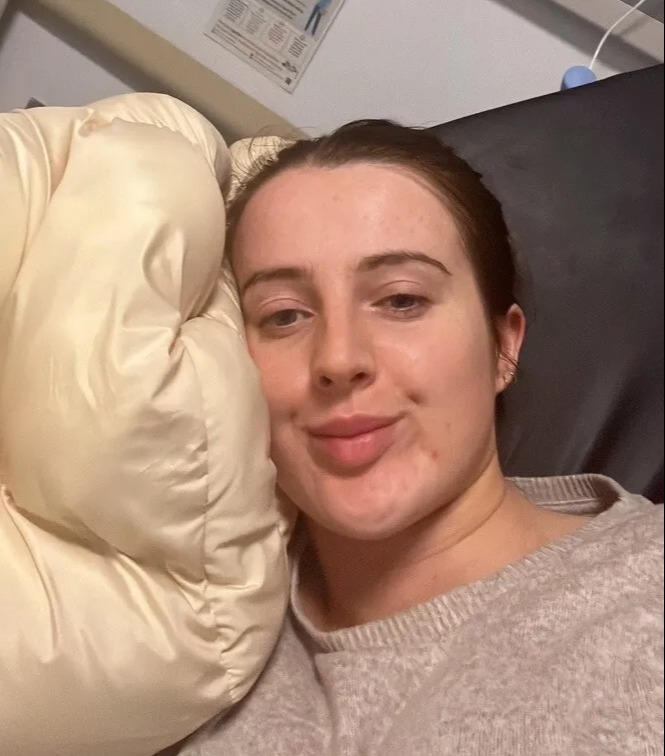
x: 353, y: 444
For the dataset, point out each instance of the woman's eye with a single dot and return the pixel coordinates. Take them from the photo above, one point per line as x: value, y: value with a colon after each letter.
x: 404, y: 304
x: 284, y: 318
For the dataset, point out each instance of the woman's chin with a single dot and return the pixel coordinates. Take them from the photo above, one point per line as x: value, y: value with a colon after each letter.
x: 374, y: 505
x: 363, y: 520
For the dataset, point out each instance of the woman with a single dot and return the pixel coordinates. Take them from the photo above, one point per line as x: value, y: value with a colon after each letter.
x: 437, y: 608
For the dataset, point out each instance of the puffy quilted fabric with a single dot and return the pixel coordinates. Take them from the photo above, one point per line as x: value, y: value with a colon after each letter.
x: 142, y: 557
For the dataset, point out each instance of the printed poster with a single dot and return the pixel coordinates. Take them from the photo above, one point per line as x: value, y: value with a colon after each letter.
x: 277, y: 37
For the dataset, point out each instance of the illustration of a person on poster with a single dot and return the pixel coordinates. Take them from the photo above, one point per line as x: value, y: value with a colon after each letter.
x: 317, y: 13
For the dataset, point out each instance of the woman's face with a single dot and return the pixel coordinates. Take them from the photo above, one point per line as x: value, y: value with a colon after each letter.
x: 365, y: 320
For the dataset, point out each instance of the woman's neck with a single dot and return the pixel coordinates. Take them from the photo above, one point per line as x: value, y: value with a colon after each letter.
x: 346, y: 582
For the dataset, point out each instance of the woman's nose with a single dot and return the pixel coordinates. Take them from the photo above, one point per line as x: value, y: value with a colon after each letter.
x: 342, y: 358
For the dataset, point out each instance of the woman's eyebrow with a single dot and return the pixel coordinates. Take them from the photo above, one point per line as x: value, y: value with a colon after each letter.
x: 369, y: 263
x: 274, y: 274
x: 400, y: 257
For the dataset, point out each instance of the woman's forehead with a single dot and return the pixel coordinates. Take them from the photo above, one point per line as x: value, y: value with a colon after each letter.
x: 363, y: 183
x: 351, y: 207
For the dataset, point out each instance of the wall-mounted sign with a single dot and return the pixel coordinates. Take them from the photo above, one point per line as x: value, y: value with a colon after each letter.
x: 277, y: 37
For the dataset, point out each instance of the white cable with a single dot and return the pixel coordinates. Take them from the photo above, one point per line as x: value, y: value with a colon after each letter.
x: 611, y: 29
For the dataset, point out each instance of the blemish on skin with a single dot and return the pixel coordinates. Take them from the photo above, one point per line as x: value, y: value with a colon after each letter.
x: 434, y: 454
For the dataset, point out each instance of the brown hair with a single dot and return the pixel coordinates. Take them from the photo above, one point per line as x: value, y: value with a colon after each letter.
x: 477, y: 212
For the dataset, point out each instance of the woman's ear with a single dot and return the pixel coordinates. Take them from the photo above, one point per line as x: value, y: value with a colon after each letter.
x: 510, y: 330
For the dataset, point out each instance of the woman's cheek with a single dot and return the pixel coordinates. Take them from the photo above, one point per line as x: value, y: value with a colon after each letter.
x: 281, y: 383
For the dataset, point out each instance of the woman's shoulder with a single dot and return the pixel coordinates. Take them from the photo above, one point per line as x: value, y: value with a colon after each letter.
x: 620, y: 547
x: 613, y: 511
x: 580, y: 494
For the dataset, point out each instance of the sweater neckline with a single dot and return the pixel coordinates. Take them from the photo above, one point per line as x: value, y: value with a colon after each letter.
x: 436, y: 618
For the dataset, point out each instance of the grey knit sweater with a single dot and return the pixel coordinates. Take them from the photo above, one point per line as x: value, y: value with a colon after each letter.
x: 560, y: 654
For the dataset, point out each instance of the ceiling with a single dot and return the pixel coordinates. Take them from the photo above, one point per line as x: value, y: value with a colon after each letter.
x: 653, y: 8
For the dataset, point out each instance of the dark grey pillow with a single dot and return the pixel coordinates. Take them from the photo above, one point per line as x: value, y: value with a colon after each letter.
x: 580, y: 175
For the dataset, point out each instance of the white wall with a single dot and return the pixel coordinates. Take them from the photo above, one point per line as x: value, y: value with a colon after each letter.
x: 442, y: 60
x: 435, y: 61
x: 35, y: 62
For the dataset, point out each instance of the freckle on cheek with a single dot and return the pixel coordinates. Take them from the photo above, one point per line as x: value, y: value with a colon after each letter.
x: 434, y: 454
